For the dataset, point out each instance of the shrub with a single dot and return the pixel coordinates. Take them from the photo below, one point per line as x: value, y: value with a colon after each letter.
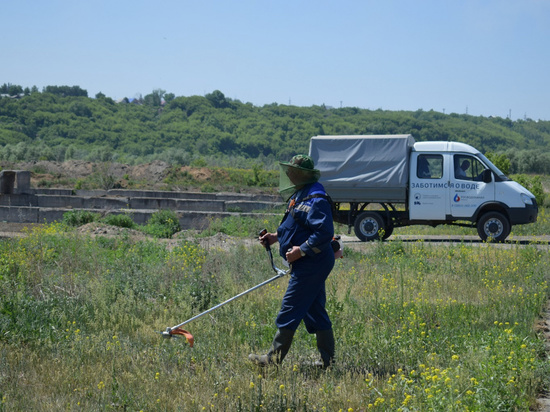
x: 156, y: 230
x: 163, y: 223
x: 79, y: 217
x: 119, y: 220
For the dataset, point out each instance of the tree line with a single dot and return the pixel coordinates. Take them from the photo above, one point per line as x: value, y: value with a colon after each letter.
x: 62, y: 122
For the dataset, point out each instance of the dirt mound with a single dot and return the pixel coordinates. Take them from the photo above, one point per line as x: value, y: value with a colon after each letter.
x: 202, y: 174
x: 153, y: 172
x: 96, y: 228
x: 73, y: 168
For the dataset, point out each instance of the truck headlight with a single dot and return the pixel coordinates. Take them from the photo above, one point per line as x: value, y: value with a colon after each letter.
x: 526, y: 199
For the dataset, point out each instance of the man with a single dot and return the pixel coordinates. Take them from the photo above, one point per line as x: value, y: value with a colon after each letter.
x: 460, y: 172
x: 304, y: 237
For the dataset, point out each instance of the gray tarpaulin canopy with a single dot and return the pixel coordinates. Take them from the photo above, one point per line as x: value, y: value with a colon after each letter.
x: 372, y: 168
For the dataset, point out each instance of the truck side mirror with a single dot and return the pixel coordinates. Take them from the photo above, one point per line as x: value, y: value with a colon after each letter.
x: 487, y: 176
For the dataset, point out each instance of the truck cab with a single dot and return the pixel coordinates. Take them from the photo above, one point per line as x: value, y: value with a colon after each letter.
x: 451, y: 182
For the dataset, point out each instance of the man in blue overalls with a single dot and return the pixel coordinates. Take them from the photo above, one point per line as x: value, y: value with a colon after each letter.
x: 304, y: 236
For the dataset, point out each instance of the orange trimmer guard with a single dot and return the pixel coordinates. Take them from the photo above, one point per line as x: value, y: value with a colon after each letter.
x: 186, y: 334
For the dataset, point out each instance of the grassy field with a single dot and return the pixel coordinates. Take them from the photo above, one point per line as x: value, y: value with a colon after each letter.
x: 418, y: 327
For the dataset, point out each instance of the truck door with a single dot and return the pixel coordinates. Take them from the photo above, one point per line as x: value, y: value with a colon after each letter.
x: 468, y: 191
x: 429, y: 187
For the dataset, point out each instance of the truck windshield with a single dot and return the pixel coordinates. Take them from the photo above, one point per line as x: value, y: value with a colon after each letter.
x: 491, y: 166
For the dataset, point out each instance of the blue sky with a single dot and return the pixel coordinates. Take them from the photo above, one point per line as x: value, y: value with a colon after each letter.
x: 486, y: 58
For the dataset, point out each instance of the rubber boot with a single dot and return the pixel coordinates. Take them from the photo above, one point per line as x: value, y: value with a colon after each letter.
x: 277, y: 352
x: 325, y: 345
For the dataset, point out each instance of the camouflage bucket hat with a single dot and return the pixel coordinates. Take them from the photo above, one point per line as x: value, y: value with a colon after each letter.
x: 301, y: 161
x: 296, y: 173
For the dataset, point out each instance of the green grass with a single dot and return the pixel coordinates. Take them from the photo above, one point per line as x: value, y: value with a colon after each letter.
x: 418, y: 327
x: 242, y: 226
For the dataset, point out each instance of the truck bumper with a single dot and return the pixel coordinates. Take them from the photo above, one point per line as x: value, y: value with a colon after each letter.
x: 522, y: 215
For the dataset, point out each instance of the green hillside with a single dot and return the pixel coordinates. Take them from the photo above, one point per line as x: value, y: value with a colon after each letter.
x: 62, y: 122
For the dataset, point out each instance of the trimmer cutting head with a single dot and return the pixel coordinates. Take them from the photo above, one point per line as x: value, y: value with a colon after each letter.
x: 174, y: 332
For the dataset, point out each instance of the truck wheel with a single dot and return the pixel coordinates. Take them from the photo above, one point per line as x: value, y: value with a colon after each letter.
x: 369, y: 226
x: 388, y: 231
x: 493, y: 226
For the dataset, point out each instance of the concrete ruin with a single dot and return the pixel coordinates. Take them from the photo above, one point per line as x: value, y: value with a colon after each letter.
x: 15, y: 182
x: 195, y: 210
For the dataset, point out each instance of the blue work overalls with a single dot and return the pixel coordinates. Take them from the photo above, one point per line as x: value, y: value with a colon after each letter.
x: 308, y: 225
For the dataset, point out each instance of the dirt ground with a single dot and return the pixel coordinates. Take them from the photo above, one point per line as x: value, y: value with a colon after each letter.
x: 9, y: 229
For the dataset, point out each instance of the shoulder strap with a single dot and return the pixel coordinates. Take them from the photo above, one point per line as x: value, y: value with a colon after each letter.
x: 324, y: 196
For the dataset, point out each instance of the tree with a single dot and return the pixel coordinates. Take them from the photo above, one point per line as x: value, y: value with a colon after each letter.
x: 80, y: 109
x: 11, y: 89
x: 168, y: 97
x: 500, y: 160
x: 14, y: 90
x: 154, y: 99
x: 74, y: 91
x: 217, y: 99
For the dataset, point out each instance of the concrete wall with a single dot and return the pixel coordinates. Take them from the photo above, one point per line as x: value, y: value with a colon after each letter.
x: 22, y: 182
x: 194, y: 210
x: 181, y: 195
x: 176, y: 204
x: 15, y: 182
x: 18, y: 200
x: 60, y: 192
x: 21, y: 214
x: 188, y: 220
x: 7, y: 182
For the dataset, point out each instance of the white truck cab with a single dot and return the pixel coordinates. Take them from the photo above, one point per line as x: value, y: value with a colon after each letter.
x: 453, y: 181
x: 417, y: 183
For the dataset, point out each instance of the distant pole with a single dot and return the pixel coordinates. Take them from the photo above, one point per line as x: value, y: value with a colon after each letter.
x: 466, y: 109
x: 340, y: 104
x: 443, y: 110
x: 510, y: 114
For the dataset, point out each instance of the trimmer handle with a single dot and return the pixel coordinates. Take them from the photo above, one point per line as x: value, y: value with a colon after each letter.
x: 265, y: 242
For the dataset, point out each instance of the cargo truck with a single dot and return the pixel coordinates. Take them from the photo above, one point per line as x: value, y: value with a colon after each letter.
x: 380, y: 182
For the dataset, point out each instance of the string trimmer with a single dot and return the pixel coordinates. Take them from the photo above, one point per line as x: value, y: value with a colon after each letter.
x: 176, y: 330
